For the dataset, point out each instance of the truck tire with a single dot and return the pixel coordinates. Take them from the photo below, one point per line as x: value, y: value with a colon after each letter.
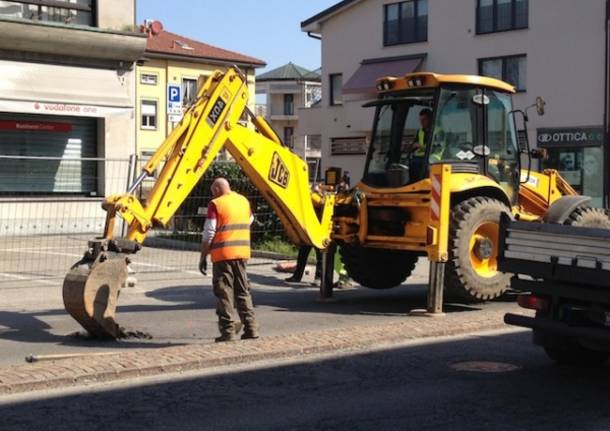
x: 566, y: 351
x: 471, y: 274
x: 589, y: 217
x: 377, y: 268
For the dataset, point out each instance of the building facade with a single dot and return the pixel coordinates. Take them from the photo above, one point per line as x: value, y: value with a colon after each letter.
x: 67, y: 106
x: 556, y: 49
x: 286, y: 90
x: 174, y: 61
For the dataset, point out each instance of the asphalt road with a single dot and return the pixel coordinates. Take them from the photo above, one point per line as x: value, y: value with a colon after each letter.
x: 416, y: 386
x: 179, y: 308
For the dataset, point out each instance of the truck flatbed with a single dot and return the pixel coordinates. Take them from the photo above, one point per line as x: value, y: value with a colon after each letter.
x: 563, y: 273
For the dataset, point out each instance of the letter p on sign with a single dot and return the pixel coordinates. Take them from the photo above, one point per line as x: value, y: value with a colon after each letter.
x: 174, y: 93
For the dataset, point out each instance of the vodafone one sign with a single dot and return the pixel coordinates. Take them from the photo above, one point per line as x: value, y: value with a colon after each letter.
x: 64, y: 108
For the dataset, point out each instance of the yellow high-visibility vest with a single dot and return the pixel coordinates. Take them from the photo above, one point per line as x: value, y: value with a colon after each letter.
x: 421, y: 139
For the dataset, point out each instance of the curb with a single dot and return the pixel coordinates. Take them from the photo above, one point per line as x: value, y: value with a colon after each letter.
x: 154, y: 362
x: 174, y: 244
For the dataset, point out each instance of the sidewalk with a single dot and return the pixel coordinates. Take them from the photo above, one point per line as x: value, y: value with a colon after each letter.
x: 151, y: 362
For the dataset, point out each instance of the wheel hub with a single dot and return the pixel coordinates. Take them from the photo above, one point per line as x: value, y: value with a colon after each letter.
x: 484, y: 248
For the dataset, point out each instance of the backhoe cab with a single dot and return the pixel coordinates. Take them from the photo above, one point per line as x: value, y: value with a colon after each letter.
x: 438, y: 185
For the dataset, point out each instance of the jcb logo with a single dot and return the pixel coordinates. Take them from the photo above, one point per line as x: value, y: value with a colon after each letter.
x: 216, y: 112
x: 278, y: 173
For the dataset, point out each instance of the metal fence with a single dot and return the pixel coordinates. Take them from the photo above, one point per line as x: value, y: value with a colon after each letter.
x: 51, y: 207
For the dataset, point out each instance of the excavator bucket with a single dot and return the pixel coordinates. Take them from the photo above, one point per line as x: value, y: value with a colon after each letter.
x: 90, y: 292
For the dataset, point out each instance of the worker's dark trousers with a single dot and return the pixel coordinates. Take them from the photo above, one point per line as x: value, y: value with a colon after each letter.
x: 232, y: 289
x: 304, y: 251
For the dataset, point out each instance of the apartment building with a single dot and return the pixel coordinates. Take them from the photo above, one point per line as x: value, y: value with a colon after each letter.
x: 172, y: 61
x: 556, y: 49
x: 286, y: 90
x: 67, y: 104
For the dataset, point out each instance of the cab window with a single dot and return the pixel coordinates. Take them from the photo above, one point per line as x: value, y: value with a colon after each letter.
x: 455, y: 127
x: 503, y: 163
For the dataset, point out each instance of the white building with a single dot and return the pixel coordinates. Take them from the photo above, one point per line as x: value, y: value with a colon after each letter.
x: 287, y: 90
x: 67, y: 108
x: 550, y: 48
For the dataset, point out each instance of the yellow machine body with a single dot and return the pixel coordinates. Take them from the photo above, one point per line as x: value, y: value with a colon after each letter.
x: 421, y: 215
x: 214, y: 122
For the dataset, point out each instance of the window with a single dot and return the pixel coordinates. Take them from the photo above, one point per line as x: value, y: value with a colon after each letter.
x: 405, y: 22
x: 288, y: 104
x: 49, y: 155
x: 395, y: 130
x: 510, y: 69
x: 502, y: 15
x: 149, y: 114
x: 502, y: 162
x: 582, y: 167
x: 336, y: 89
x: 288, y: 137
x: 148, y: 79
x: 189, y: 91
x: 72, y: 12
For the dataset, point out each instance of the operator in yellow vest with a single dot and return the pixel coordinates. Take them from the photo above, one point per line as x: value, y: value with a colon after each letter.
x: 418, y: 160
x: 226, y: 237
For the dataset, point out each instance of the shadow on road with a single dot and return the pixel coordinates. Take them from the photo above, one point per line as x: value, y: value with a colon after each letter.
x: 304, y: 298
x: 412, y: 387
x: 27, y: 327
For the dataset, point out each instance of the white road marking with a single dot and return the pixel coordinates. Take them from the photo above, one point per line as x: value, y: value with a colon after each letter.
x: 22, y: 278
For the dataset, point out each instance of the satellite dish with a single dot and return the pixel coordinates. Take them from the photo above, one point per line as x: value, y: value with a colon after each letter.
x: 156, y: 27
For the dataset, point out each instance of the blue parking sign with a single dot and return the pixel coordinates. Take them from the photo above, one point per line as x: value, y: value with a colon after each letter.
x: 174, y: 93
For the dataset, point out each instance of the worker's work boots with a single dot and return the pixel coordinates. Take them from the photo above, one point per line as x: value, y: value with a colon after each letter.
x: 250, y: 335
x: 230, y: 335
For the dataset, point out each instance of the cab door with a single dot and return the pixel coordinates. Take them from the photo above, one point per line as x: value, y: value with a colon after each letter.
x: 501, y: 149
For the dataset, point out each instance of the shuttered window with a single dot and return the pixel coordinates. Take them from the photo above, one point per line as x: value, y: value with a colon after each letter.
x: 43, y: 155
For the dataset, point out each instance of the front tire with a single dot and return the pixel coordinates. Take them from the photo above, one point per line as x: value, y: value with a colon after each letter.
x: 472, y: 271
x: 589, y: 217
x: 377, y: 268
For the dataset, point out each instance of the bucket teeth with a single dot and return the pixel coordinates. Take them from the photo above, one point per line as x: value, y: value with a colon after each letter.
x: 91, y: 292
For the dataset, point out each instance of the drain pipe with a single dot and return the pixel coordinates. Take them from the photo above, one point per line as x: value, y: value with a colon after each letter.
x: 606, y: 107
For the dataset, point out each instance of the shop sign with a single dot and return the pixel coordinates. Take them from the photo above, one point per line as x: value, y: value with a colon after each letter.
x: 36, y: 126
x: 571, y: 137
x: 65, y: 108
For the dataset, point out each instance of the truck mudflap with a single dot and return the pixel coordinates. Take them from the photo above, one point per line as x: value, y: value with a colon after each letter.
x: 557, y: 328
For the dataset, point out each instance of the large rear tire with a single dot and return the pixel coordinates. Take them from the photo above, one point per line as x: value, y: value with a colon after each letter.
x: 377, y: 268
x: 472, y: 271
x: 589, y: 217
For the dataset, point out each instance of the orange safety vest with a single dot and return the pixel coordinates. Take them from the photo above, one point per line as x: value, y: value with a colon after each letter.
x: 232, y: 239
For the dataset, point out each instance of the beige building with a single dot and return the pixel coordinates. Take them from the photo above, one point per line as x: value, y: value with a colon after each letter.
x: 67, y: 110
x: 551, y: 48
x: 286, y: 90
x: 175, y: 61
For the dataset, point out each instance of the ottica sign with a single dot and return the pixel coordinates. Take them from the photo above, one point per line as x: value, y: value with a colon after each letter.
x: 571, y: 137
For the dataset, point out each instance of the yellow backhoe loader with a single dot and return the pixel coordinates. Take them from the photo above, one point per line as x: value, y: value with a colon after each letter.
x: 446, y: 206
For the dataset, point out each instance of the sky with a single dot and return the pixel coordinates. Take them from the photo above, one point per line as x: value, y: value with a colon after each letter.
x: 265, y: 29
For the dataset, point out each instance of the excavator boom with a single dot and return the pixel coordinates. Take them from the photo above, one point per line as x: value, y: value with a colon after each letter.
x: 216, y: 121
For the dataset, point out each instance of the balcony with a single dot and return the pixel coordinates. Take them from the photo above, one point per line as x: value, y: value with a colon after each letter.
x: 69, y: 41
x: 282, y: 113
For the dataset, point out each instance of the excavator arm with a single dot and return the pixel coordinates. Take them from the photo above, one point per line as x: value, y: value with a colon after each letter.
x: 216, y: 121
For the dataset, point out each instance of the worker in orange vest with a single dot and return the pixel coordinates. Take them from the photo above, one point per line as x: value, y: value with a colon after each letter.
x: 226, y: 237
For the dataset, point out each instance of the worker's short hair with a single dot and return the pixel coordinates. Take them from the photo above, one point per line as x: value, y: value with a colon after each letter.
x: 427, y: 112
